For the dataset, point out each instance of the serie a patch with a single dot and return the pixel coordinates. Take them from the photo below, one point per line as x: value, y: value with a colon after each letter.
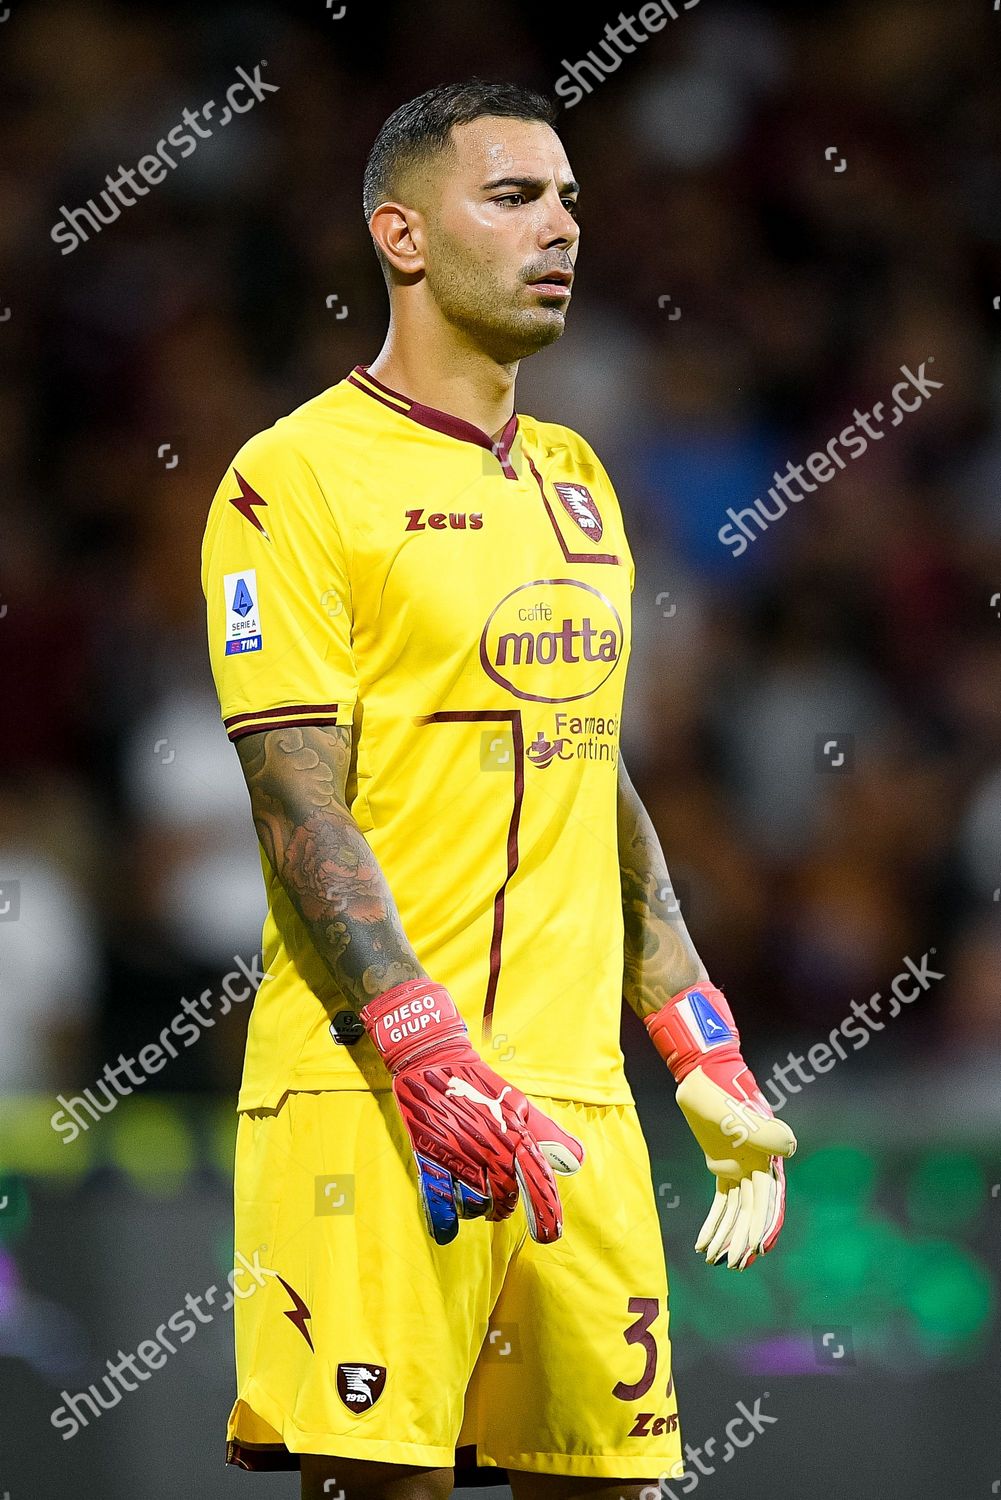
x: 243, y: 619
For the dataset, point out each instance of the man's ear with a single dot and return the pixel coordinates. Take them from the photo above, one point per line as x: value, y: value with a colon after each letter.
x: 398, y: 232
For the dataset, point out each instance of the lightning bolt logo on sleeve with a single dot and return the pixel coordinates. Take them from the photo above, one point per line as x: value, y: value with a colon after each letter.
x: 245, y: 501
x: 298, y: 1314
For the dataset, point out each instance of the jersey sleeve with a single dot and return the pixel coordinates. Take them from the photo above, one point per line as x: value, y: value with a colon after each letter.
x: 277, y: 584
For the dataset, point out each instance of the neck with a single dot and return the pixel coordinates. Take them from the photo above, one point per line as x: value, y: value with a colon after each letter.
x: 451, y: 375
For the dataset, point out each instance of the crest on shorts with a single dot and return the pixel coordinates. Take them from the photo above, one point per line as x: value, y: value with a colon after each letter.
x: 579, y: 503
x: 360, y: 1386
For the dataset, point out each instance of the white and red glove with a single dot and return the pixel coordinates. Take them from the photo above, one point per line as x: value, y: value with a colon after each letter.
x: 743, y: 1142
x: 477, y: 1140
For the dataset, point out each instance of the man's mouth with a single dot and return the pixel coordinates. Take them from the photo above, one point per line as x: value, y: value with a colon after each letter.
x: 554, y: 283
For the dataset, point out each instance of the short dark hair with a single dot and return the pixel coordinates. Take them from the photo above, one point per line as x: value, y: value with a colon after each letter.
x: 421, y: 128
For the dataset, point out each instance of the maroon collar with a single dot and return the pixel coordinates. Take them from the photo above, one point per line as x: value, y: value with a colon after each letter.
x: 441, y: 421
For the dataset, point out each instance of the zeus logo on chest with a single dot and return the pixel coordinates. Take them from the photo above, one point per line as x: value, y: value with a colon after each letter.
x: 437, y: 520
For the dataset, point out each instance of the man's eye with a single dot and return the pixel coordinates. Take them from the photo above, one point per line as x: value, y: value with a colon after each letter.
x: 570, y: 204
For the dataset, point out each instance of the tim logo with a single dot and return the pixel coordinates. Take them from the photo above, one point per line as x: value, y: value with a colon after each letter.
x: 578, y: 502
x: 360, y: 1386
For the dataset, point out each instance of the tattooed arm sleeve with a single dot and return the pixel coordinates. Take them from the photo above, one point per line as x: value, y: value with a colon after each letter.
x: 296, y: 778
x: 660, y: 957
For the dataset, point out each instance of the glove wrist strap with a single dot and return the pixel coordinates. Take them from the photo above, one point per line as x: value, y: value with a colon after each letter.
x: 413, y: 1019
x: 693, y: 1027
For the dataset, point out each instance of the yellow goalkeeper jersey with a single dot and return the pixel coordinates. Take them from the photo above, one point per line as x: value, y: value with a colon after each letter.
x: 464, y: 605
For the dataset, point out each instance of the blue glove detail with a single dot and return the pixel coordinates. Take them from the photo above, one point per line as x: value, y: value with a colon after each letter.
x: 445, y: 1201
x: 714, y: 1029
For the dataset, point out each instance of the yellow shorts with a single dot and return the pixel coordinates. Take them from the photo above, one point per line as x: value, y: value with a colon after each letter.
x: 362, y: 1338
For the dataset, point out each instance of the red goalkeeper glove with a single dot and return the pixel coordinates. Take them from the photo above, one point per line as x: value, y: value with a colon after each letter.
x: 477, y: 1140
x: 743, y: 1142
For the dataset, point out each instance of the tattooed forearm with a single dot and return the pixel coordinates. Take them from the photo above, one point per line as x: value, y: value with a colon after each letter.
x: 660, y: 957
x: 296, y: 778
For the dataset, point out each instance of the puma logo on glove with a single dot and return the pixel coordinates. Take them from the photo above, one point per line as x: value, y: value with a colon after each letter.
x: 478, y: 1142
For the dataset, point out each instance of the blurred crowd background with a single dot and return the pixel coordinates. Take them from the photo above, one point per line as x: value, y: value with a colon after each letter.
x: 201, y: 315
x: 782, y: 205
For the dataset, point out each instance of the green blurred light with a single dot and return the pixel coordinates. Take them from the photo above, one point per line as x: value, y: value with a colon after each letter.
x: 950, y: 1295
x: 15, y: 1208
x: 691, y: 1305
x: 152, y: 1144
x: 840, y: 1178
x: 30, y: 1145
x: 848, y: 1273
x: 947, y: 1191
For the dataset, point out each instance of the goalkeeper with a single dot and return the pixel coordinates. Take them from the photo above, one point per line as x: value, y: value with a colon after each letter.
x: 419, y: 625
